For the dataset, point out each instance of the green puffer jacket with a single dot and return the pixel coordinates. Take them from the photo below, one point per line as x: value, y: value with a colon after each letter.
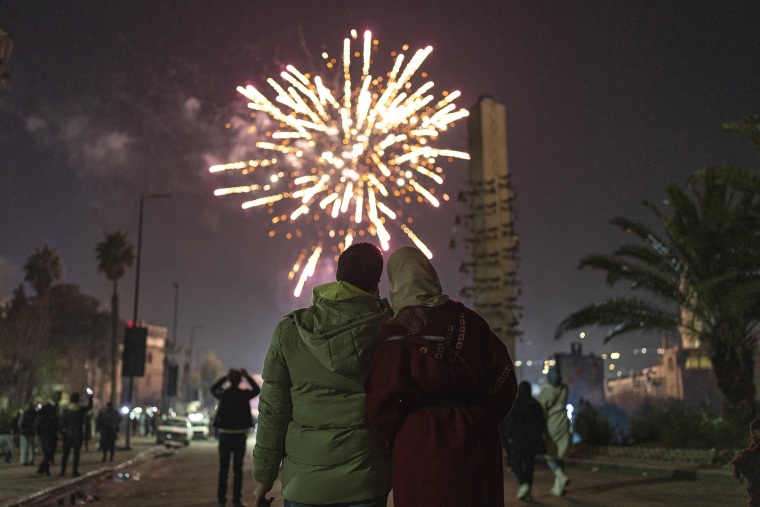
x: 311, y: 408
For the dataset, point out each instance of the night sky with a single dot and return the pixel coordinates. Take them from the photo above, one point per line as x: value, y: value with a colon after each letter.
x: 607, y: 103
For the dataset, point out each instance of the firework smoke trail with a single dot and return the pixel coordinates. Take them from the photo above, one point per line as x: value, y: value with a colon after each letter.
x: 347, y: 162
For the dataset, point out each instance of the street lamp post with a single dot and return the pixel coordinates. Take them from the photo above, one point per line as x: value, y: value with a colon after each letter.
x: 169, y: 351
x: 192, y: 339
x: 137, y: 293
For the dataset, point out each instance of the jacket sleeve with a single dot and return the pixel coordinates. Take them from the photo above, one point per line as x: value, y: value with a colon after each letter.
x: 275, y: 413
x: 216, y: 389
x: 386, y: 391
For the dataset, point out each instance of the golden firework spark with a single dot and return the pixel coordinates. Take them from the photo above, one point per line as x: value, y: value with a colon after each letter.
x: 351, y: 157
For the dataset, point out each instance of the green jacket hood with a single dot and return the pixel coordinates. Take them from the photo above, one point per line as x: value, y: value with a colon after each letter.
x: 342, y: 327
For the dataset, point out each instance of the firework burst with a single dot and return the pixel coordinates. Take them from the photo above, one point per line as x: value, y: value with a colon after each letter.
x: 346, y: 160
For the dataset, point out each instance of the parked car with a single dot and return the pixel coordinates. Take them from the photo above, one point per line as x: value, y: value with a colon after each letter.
x: 174, y: 430
x: 200, y: 423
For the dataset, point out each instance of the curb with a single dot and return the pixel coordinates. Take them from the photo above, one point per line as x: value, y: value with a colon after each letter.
x: 84, y: 477
x: 675, y: 471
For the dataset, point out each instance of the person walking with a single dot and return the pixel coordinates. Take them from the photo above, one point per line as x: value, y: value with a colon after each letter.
x: 440, y: 384
x: 6, y: 439
x: 107, y: 425
x: 26, y: 425
x: 747, y: 464
x: 522, y: 434
x: 553, y: 399
x: 72, y: 429
x: 87, y: 436
x: 234, y: 420
x: 312, y: 415
x: 48, y: 422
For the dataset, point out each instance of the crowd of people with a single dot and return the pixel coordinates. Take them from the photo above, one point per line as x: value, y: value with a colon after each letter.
x: 364, y: 398
x: 37, y: 429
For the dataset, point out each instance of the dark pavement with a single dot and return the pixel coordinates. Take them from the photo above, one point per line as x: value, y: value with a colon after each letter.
x: 150, y: 475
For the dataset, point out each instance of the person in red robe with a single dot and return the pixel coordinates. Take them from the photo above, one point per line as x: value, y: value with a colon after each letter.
x: 440, y: 384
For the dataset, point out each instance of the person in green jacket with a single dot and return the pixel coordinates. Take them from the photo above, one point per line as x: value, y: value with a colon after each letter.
x: 312, y: 415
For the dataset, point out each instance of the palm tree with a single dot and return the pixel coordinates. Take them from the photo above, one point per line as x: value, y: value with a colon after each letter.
x: 42, y: 269
x: 114, y: 255
x: 702, y: 276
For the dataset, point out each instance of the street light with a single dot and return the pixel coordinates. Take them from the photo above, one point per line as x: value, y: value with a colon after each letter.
x: 137, y: 293
x: 169, y: 352
x: 192, y: 339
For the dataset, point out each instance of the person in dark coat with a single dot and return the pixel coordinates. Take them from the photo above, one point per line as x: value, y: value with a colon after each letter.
x: 26, y: 434
x: 72, y: 429
x: 87, y: 431
x: 6, y: 440
x: 747, y: 464
x: 48, y: 421
x: 522, y: 434
x: 233, y: 420
x: 440, y: 384
x: 107, y: 425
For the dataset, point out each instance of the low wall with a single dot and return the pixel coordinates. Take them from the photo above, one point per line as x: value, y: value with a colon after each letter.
x: 684, y: 457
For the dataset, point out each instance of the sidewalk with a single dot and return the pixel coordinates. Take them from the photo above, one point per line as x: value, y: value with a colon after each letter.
x: 18, y: 482
x: 673, y: 466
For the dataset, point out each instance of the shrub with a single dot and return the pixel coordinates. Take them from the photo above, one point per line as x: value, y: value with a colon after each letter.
x: 674, y: 425
x: 591, y: 426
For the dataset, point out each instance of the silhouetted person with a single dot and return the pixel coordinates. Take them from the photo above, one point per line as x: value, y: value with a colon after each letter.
x: 26, y: 426
x: 107, y: 424
x: 747, y: 464
x: 522, y: 434
x: 87, y: 431
x: 72, y: 429
x: 6, y: 440
x: 48, y: 422
x: 234, y: 420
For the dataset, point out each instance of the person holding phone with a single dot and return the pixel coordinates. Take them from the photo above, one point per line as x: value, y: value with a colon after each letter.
x: 233, y: 421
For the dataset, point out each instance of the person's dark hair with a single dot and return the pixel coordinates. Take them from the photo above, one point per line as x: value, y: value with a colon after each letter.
x: 524, y: 389
x: 74, y: 398
x: 361, y: 265
x: 234, y: 377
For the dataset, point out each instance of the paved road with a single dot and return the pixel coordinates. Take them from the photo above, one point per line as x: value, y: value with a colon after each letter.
x: 187, y: 477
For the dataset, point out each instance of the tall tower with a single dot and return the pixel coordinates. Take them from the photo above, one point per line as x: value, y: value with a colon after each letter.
x: 494, y: 241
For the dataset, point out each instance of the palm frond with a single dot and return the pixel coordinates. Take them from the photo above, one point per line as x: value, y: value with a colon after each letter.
x: 749, y: 128
x: 651, y: 278
x: 621, y: 315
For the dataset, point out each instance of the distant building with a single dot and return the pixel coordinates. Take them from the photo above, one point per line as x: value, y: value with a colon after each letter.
x: 682, y: 374
x: 584, y: 375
